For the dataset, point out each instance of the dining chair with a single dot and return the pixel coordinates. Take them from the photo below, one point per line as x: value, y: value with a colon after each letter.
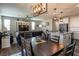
x: 69, y: 51
x: 72, y: 37
x: 32, y: 53
x: 27, y: 34
x: 45, y: 36
x: 26, y: 43
x: 23, y: 47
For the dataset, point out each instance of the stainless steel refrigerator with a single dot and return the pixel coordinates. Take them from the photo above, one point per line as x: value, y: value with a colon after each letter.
x: 63, y: 27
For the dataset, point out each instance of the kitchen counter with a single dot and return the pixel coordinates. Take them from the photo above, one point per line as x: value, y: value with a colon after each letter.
x: 63, y: 38
x: 5, y: 41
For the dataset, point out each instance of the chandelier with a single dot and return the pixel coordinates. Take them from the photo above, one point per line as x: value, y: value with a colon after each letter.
x: 39, y: 8
x: 57, y: 16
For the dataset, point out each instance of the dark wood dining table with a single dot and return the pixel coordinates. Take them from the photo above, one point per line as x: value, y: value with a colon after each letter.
x: 45, y: 47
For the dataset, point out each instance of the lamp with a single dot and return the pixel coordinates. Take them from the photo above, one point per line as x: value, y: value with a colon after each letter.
x: 39, y: 8
x: 57, y: 16
x: 61, y: 18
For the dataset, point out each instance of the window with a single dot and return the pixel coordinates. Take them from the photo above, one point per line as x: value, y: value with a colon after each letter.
x: 33, y: 25
x: 7, y: 24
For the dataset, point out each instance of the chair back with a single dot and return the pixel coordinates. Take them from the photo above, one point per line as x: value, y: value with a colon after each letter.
x: 26, y: 45
x: 27, y: 35
x: 72, y: 37
x: 23, y: 47
x: 70, y: 49
x: 18, y: 37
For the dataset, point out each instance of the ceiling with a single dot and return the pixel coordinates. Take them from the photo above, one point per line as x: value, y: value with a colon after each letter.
x: 23, y: 9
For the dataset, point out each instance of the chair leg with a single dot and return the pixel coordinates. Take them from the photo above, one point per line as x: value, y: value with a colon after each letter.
x: 25, y: 50
x: 31, y: 49
x: 22, y: 52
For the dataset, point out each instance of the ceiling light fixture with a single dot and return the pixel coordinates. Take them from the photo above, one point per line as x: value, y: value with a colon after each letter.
x: 57, y: 16
x: 39, y: 8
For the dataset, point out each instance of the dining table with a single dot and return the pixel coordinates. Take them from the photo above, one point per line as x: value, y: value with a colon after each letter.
x: 43, y: 47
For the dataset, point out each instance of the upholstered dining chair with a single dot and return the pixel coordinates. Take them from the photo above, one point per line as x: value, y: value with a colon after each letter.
x: 23, y: 47
x: 26, y: 47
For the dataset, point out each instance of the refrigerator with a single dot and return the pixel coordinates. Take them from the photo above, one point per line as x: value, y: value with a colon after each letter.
x: 63, y: 27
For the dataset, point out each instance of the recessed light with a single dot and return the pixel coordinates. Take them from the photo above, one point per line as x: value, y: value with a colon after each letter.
x: 77, y: 5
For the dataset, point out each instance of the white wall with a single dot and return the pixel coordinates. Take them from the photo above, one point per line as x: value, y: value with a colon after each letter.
x: 37, y: 23
x: 47, y: 27
x: 74, y: 26
x: 73, y: 22
x: 56, y: 23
